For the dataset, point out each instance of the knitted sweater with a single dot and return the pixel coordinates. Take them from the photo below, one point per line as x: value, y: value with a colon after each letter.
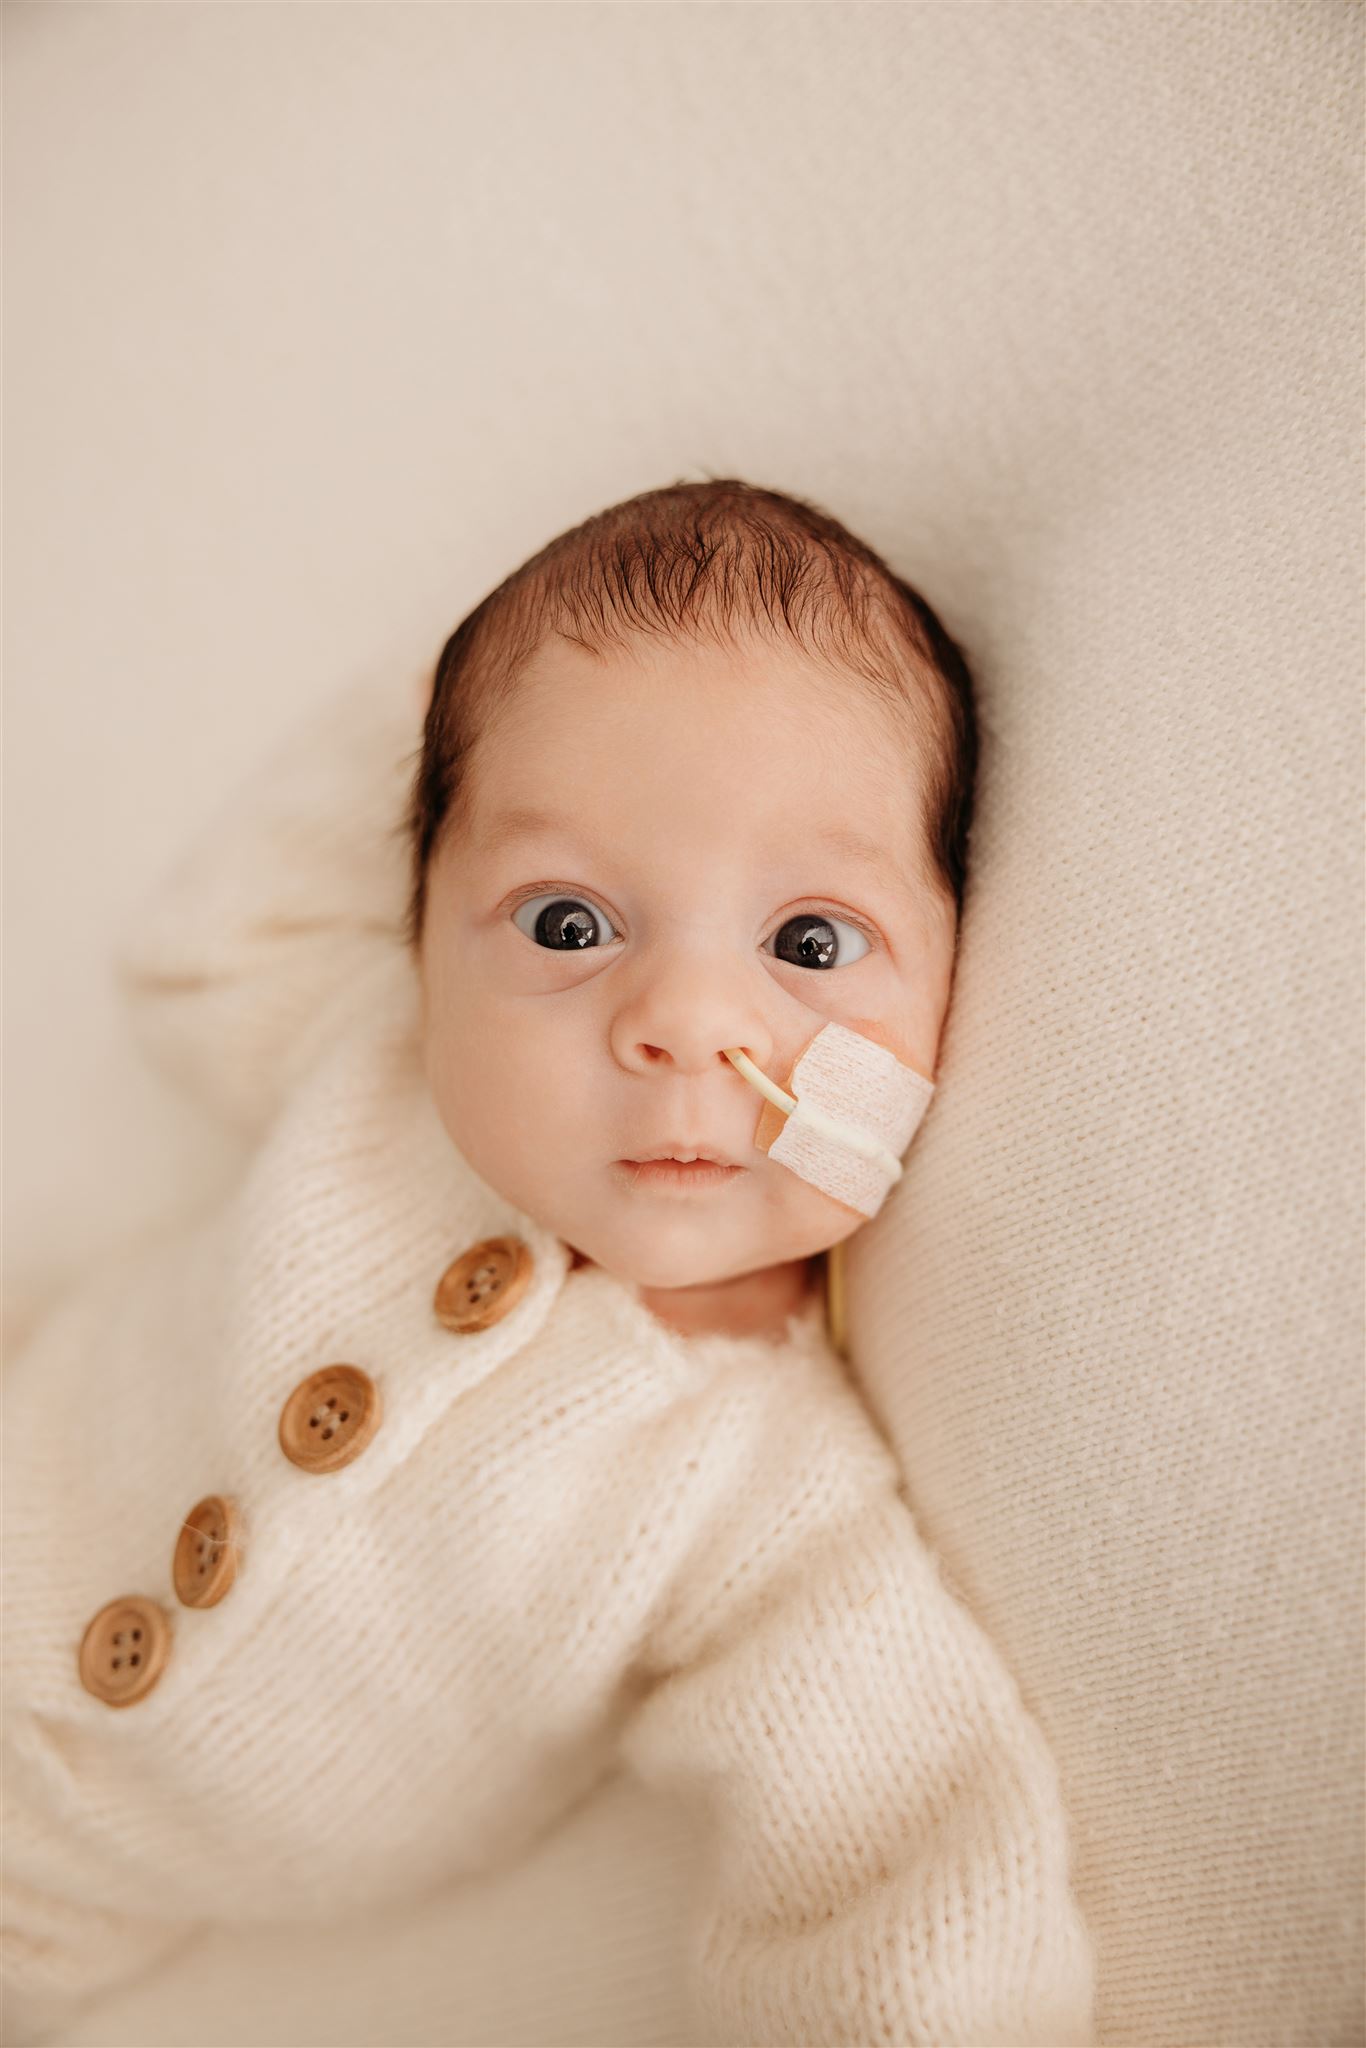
x: 565, y: 1536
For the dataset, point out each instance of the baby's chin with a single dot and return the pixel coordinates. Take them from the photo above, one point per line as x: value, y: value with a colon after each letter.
x: 675, y: 1252
x: 668, y: 1276
x: 639, y: 1260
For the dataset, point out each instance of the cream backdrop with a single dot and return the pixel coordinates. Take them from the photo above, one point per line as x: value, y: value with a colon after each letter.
x: 317, y: 320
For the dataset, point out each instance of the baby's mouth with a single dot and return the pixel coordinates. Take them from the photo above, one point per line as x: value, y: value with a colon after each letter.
x: 679, y: 1175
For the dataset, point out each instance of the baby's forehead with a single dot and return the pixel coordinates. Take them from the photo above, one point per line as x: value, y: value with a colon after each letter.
x: 754, y: 741
x: 713, y: 709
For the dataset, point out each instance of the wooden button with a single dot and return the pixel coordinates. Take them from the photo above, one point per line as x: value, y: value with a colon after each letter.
x: 205, y: 1562
x: 479, y: 1287
x: 329, y: 1418
x: 124, y: 1650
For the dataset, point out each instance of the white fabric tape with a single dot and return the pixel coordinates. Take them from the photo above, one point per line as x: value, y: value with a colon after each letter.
x: 852, y: 1111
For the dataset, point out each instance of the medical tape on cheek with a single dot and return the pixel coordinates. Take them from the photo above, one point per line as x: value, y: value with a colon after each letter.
x: 850, y: 1109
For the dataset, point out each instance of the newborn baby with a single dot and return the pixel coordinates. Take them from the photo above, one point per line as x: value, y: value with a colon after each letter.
x: 485, y: 1436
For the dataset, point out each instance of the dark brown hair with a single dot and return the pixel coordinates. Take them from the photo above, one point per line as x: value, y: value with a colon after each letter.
x: 697, y: 561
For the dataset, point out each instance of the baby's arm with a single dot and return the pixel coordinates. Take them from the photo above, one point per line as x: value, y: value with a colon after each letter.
x: 891, y: 1864
x: 59, y: 1954
x: 290, y: 889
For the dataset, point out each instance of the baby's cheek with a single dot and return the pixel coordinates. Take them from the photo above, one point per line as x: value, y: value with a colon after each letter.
x: 904, y: 1036
x: 801, y: 1220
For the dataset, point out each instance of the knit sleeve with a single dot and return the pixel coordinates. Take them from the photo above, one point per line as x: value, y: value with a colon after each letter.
x: 889, y: 1849
x: 288, y: 892
x: 59, y: 1957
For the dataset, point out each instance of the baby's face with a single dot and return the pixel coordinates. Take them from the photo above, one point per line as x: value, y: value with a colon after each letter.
x: 581, y: 979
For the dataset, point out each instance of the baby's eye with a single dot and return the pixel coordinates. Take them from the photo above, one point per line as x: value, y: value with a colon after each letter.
x: 808, y: 940
x: 571, y: 924
x: 566, y: 925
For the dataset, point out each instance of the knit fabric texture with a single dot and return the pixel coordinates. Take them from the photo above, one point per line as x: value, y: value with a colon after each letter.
x: 1059, y: 307
x: 576, y: 1536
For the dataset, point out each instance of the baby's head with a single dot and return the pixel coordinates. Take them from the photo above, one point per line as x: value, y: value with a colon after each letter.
x: 698, y: 775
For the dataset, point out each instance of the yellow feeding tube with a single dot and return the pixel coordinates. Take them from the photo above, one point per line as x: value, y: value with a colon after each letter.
x: 805, y: 1112
x: 835, y: 1321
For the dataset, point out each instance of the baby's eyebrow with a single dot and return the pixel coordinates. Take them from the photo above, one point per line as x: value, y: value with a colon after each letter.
x: 530, y: 824
x: 845, y: 842
x: 848, y: 844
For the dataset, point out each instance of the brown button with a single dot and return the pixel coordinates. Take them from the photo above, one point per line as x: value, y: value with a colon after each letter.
x: 205, y: 1562
x: 329, y: 1418
x: 479, y: 1287
x: 124, y: 1650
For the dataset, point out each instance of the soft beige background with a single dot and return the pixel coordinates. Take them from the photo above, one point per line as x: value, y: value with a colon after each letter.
x: 319, y: 318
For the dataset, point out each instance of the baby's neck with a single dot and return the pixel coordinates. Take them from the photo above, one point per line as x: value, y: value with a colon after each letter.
x: 754, y: 1305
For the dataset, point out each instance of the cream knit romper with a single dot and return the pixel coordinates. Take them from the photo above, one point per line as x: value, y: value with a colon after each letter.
x: 351, y: 1534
